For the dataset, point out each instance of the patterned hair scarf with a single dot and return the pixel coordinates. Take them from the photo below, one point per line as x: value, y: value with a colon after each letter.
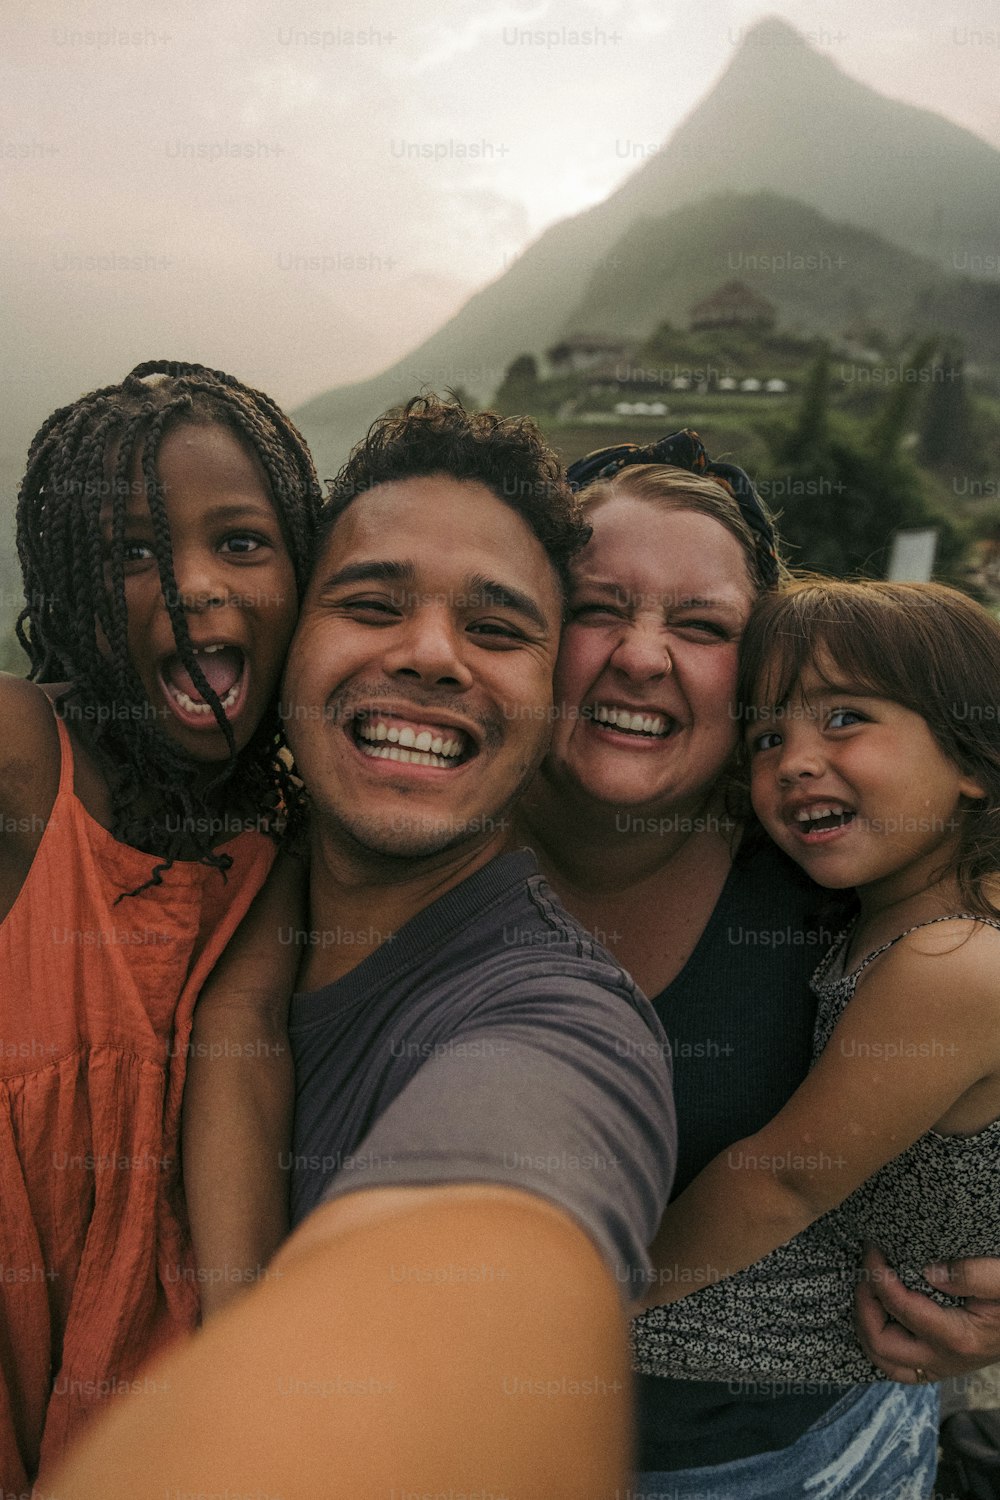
x: 685, y: 450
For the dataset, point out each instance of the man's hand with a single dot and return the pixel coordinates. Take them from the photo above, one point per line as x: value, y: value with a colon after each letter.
x: 912, y: 1338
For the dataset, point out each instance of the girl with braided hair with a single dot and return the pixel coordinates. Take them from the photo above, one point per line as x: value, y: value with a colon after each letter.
x: 164, y: 529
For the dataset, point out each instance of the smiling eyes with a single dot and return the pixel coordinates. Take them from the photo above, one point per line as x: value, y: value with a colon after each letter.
x: 383, y: 611
x: 845, y: 717
x: 603, y: 613
x: 836, y: 718
x: 245, y: 542
x: 235, y: 544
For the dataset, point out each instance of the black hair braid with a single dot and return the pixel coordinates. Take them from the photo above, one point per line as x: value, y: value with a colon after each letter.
x: 74, y: 583
x: 115, y: 607
x: 164, y: 558
x: 67, y: 473
x: 273, y: 459
x: 177, y: 369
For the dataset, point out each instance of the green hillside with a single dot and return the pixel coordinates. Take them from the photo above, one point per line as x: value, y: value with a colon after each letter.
x: 822, y: 276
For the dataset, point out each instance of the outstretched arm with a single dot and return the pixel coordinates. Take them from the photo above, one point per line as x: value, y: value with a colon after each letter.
x: 367, y: 1365
x: 866, y: 1100
x: 239, y: 1093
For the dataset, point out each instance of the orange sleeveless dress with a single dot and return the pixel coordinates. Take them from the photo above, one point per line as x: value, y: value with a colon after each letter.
x: 96, y: 1005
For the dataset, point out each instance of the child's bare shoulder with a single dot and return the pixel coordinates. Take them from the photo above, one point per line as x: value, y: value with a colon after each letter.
x: 964, y: 938
x: 953, y: 962
x: 29, y: 757
x: 29, y: 779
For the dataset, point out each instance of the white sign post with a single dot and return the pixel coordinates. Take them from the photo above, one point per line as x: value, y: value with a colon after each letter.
x: 911, y: 558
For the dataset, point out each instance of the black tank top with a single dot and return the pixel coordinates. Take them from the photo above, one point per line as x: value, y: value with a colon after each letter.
x: 740, y: 1020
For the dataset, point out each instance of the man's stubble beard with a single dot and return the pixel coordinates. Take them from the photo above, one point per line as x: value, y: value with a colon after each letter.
x: 387, y: 846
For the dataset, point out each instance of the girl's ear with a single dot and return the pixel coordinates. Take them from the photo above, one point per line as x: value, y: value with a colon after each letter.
x: 972, y: 789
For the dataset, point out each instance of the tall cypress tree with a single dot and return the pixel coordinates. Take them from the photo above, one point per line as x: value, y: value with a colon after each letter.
x: 811, y: 430
x: 947, y: 426
x: 519, y: 387
x: 892, y: 419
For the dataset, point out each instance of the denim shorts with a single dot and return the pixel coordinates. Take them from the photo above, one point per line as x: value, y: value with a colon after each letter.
x: 879, y: 1442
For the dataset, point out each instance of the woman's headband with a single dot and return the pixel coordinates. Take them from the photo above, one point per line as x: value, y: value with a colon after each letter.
x: 685, y: 450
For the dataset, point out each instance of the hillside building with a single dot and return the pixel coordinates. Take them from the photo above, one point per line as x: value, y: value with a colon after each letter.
x: 733, y: 306
x: 585, y: 351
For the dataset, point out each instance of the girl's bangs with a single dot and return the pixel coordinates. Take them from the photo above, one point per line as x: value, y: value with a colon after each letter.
x: 845, y: 645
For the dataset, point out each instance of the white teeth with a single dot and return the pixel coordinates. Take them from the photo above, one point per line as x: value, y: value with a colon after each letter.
x: 822, y: 810
x: 408, y: 757
x: 208, y: 650
x: 622, y: 718
x: 424, y: 748
x: 190, y: 706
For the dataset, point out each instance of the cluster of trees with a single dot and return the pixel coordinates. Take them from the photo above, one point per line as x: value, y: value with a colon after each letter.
x: 843, y: 485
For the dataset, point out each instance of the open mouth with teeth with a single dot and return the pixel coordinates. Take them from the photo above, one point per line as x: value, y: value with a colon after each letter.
x: 633, y: 722
x: 410, y: 741
x: 822, y: 819
x: 226, y: 672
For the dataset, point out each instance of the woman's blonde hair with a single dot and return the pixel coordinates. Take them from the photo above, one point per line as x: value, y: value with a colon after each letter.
x: 678, y: 489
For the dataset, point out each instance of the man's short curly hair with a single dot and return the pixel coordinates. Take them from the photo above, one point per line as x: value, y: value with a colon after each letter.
x: 507, y: 455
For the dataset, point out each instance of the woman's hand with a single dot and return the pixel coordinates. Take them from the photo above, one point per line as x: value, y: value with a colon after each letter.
x: 913, y: 1339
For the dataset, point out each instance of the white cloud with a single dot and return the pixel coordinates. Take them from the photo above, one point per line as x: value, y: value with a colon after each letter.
x: 448, y: 41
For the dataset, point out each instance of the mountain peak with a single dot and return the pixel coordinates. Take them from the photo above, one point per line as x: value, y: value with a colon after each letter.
x: 777, y: 67
x: 783, y: 118
x: 772, y: 31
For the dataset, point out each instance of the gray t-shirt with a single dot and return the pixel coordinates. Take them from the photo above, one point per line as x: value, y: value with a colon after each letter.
x: 490, y: 1040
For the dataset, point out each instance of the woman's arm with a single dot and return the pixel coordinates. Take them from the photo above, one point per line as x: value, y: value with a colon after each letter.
x: 239, y: 1094
x: 920, y: 1031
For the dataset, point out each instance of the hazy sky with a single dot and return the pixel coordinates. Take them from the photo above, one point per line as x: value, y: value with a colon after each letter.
x: 300, y: 192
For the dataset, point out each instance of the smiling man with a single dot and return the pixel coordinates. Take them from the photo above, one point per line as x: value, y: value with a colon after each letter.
x: 484, y: 1136
x: 419, y: 689
x: 427, y: 641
